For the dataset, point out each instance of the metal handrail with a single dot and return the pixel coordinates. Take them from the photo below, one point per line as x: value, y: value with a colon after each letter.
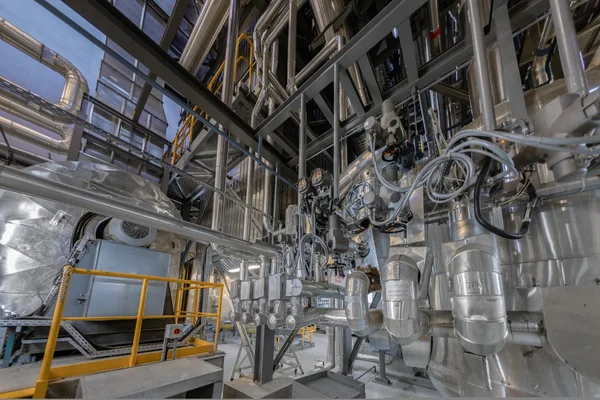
x: 46, y: 370
x: 183, y: 138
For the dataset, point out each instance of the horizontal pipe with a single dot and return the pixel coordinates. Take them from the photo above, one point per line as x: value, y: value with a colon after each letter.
x: 75, y: 84
x: 330, y: 48
x: 12, y: 128
x: 31, y: 185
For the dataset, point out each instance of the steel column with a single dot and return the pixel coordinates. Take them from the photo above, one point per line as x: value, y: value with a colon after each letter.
x: 568, y: 46
x: 482, y: 76
x: 263, y: 356
x: 510, y: 66
x: 336, y: 131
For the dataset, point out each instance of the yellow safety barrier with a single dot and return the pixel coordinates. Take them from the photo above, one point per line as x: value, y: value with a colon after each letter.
x: 183, y: 138
x: 48, y: 373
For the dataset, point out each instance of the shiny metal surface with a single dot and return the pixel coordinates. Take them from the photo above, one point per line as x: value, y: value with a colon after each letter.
x: 572, y: 321
x: 477, y: 295
x: 399, y: 280
x: 33, y: 250
x: 210, y: 22
x: 75, y: 84
x: 356, y: 305
x: 560, y: 251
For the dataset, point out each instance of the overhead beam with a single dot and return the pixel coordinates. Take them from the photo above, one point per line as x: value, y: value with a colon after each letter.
x: 165, y: 42
x: 521, y: 16
x: 364, y: 40
x: 106, y: 18
x: 351, y: 92
x: 370, y: 80
x: 452, y: 93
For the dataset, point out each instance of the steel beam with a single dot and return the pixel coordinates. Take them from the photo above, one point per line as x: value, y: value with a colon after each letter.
x: 351, y: 92
x: 430, y: 74
x: 322, y: 104
x: 379, y: 27
x: 106, y: 18
x: 409, y: 58
x: 453, y: 93
x: 165, y: 42
x: 366, y: 68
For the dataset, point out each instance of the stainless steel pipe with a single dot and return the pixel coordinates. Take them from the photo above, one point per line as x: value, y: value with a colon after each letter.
x: 31, y: 185
x: 336, y: 131
x: 208, y: 26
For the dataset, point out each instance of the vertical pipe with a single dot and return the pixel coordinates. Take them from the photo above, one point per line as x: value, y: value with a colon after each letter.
x: 218, y: 321
x: 336, y: 131
x: 227, y: 97
x: 138, y: 324
x: 276, y: 206
x: 247, y: 223
x: 570, y: 56
x: 434, y: 33
x: 481, y: 66
x: 292, y: 26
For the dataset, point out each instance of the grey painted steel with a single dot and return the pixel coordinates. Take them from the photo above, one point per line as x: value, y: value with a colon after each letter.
x: 165, y: 42
x: 264, y: 353
x: 509, y: 63
x: 355, y: 48
x: 452, y: 92
x: 522, y: 15
x: 336, y: 131
x: 408, y: 50
x: 292, y: 27
x: 351, y: 92
x: 568, y: 46
x: 27, y: 184
x: 109, y: 20
x: 322, y: 104
x: 480, y: 62
x: 302, y: 138
x: 369, y: 76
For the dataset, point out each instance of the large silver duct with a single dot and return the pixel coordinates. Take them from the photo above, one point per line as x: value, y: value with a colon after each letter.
x: 24, y: 183
x: 399, y: 282
x: 211, y: 20
x: 75, y: 84
x: 36, y: 233
x: 360, y: 321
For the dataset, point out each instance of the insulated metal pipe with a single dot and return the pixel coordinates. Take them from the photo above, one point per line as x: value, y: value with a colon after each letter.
x: 302, y: 146
x: 356, y: 305
x: 75, y: 83
x: 334, y: 45
x: 247, y: 222
x: 570, y: 56
x: 481, y: 66
x: 31, y: 185
x: 208, y: 26
x: 227, y: 98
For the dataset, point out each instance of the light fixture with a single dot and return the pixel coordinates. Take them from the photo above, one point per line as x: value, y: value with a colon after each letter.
x: 252, y: 266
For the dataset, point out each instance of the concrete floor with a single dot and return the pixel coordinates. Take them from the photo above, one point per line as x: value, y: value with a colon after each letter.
x: 400, y: 375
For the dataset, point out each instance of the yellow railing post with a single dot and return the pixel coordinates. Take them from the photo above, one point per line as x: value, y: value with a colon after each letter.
x: 41, y: 385
x: 218, y: 323
x: 138, y: 324
x: 178, y: 305
x: 196, y: 303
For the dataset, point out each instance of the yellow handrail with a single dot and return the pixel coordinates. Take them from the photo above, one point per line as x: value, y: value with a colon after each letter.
x: 47, y: 372
x: 184, y: 136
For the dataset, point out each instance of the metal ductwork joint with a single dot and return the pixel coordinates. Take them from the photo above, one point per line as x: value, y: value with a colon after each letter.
x: 356, y: 304
x: 477, y: 295
x: 399, y: 281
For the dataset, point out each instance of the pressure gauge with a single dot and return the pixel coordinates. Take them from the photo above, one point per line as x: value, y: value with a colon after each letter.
x: 303, y: 185
x: 320, y: 177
